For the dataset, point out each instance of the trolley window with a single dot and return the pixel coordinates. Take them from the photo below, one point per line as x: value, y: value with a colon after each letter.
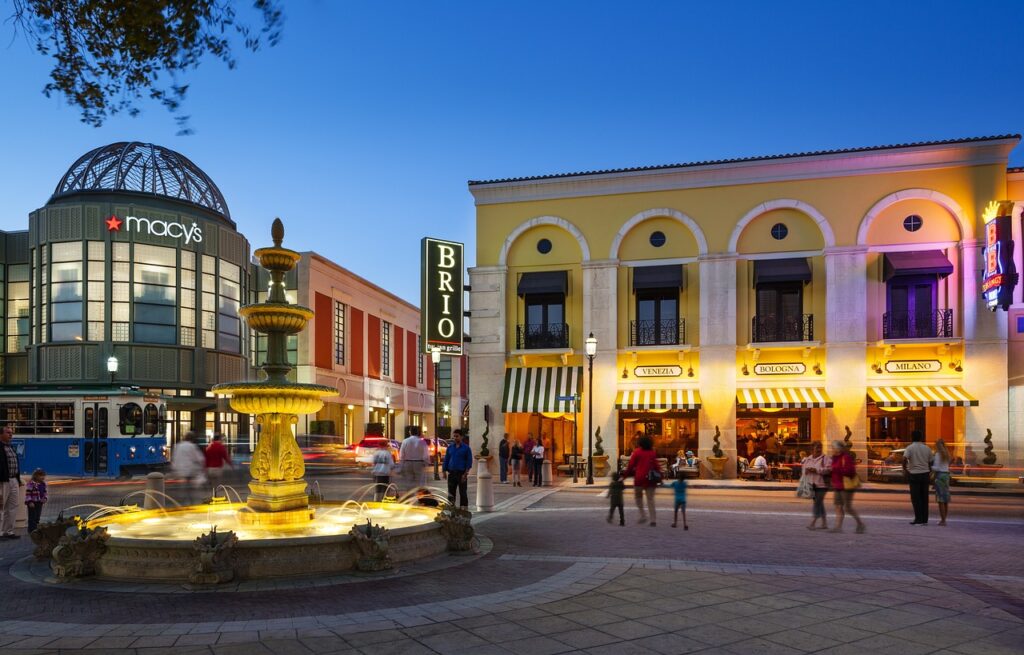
x: 39, y: 418
x: 131, y: 419
x: 151, y: 419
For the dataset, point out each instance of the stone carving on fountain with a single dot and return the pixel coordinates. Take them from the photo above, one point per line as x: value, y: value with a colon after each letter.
x: 457, y: 529
x: 373, y: 551
x: 214, y: 557
x: 47, y: 535
x: 278, y: 489
x: 77, y: 552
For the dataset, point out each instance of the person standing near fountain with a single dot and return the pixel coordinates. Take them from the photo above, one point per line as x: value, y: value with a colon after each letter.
x: 383, y: 463
x: 413, y: 456
x: 188, y: 462
x: 217, y: 459
x: 10, y: 480
x: 458, y: 461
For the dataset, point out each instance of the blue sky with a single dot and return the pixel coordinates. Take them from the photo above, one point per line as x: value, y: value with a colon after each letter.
x: 361, y: 128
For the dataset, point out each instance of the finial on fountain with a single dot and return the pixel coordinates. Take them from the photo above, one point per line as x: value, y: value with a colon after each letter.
x: 277, y: 232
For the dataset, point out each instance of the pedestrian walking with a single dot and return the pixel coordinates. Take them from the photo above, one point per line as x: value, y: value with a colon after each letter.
x: 528, y: 456
x: 616, y: 490
x: 940, y: 469
x: 217, y: 461
x: 188, y: 462
x: 35, y: 498
x: 643, y: 467
x: 412, y: 459
x: 503, y: 455
x: 383, y: 464
x: 844, y: 483
x: 538, y: 464
x: 917, y: 464
x: 515, y: 462
x: 815, y: 467
x: 10, y: 480
x: 458, y: 461
x: 679, y: 488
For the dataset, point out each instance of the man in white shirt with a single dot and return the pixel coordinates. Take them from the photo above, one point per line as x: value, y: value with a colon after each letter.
x: 413, y: 456
x: 917, y: 460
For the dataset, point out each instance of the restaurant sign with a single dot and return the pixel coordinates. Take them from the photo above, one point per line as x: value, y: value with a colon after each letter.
x: 786, y: 368
x: 1000, y: 274
x: 442, y: 291
x: 913, y: 366
x: 658, y: 371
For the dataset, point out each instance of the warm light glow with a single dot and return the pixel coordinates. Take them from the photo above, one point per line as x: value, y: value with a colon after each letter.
x: 435, y: 356
x: 112, y: 364
x: 351, y: 407
x: 591, y: 345
x: 552, y: 414
x: 771, y: 410
x: 445, y: 408
x: 387, y: 399
x: 991, y: 211
x: 892, y: 409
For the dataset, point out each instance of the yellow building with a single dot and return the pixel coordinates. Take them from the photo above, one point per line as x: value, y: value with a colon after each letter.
x: 814, y: 296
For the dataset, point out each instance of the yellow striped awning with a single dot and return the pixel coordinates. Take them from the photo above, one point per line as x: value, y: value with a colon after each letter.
x: 538, y: 389
x: 782, y: 398
x: 923, y: 396
x: 646, y: 399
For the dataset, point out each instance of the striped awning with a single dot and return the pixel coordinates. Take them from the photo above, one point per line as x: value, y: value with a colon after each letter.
x: 922, y: 396
x: 645, y: 399
x: 782, y: 398
x: 537, y: 389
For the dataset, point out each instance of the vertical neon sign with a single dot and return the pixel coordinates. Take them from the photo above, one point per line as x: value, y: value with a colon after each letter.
x: 1000, y: 275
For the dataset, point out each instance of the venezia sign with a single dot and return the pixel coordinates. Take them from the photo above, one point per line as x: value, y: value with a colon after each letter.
x: 913, y: 366
x: 787, y: 368
x: 658, y: 371
x: 1000, y: 275
x: 442, y: 291
x: 191, y: 233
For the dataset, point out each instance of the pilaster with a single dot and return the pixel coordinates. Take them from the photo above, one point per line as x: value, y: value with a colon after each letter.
x: 487, y: 350
x: 718, y: 358
x: 600, y: 316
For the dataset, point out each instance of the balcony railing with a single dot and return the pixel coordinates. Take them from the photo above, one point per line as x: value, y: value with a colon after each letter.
x: 537, y: 336
x: 792, y: 327
x: 667, y: 332
x: 911, y: 325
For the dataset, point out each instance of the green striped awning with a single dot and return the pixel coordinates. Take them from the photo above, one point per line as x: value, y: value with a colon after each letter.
x: 537, y: 389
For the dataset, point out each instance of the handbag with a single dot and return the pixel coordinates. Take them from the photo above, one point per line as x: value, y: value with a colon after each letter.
x: 850, y: 482
x: 804, y: 489
x: 654, y: 476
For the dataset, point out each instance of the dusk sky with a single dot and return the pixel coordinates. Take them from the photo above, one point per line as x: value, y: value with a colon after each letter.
x: 362, y: 127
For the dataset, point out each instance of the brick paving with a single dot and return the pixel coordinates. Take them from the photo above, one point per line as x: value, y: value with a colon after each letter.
x: 561, y: 580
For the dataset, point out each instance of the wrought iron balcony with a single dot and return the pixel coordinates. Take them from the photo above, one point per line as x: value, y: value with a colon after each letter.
x: 537, y: 336
x: 666, y: 332
x: 787, y: 327
x: 911, y: 325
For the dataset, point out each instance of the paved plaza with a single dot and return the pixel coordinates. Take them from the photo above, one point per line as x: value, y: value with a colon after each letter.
x: 554, y: 577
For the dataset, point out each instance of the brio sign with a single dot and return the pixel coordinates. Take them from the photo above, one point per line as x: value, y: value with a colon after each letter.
x: 190, y: 233
x: 442, y: 293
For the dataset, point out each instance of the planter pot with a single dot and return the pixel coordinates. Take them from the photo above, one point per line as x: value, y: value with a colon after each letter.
x: 717, y: 466
x: 600, y: 465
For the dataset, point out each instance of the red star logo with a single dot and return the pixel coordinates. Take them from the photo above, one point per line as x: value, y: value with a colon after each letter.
x: 114, y: 224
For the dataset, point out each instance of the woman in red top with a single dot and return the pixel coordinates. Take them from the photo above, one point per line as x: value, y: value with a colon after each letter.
x: 642, y: 463
x: 217, y: 459
x: 843, y: 466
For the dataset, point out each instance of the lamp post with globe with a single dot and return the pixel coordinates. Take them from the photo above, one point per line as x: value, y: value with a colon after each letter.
x: 591, y: 350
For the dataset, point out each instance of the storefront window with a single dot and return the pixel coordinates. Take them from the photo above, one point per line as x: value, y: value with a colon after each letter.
x: 155, y: 295
x: 783, y: 437
x: 17, y: 308
x: 66, y: 292
x: 673, y: 432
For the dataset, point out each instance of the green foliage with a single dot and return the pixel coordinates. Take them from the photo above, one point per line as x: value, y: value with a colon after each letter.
x: 484, y: 451
x: 110, y: 54
x: 717, y: 448
x: 990, y: 455
x: 598, y: 448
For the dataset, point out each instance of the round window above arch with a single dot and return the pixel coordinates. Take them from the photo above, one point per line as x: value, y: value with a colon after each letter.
x: 779, y: 231
x: 658, y: 238
x: 544, y: 246
x: 913, y: 223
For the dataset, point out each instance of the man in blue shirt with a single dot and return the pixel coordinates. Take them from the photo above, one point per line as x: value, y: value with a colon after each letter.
x: 458, y: 460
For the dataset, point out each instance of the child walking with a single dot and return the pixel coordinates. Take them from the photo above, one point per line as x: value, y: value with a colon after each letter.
x: 679, y: 486
x: 615, y: 492
x: 35, y: 497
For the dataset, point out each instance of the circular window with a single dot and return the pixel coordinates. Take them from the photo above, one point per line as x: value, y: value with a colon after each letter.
x: 544, y: 246
x: 779, y: 231
x: 912, y: 223
x: 657, y: 238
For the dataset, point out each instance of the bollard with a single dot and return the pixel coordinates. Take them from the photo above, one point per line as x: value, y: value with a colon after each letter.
x: 154, y: 496
x: 546, y: 473
x: 21, y: 514
x: 484, y: 486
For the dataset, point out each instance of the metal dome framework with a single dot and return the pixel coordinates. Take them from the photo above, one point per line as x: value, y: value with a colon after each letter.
x: 142, y: 168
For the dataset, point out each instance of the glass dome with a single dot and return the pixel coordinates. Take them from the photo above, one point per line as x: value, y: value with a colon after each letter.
x: 142, y: 168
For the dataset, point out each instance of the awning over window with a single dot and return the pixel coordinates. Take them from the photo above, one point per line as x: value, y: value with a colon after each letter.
x: 544, y: 282
x: 645, y: 399
x: 921, y: 397
x: 782, y: 398
x: 537, y: 389
x: 922, y: 262
x: 658, y: 277
x: 795, y: 269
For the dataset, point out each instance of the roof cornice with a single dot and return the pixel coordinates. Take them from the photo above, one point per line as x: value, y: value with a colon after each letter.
x: 861, y: 161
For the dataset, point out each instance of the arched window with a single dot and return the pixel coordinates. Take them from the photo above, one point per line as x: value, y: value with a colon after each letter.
x: 131, y: 419
x: 151, y: 420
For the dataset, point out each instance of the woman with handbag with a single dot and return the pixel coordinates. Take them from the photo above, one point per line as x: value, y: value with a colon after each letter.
x: 643, y: 466
x: 814, y: 467
x: 844, y: 483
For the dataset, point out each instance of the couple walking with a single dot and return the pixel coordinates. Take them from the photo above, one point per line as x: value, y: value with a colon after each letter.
x: 198, y: 466
x: 841, y: 470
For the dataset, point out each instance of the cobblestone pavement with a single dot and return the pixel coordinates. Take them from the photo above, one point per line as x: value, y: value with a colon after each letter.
x: 745, y: 578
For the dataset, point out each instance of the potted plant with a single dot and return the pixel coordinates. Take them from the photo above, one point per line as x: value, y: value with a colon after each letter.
x: 484, y: 456
x: 600, y: 459
x: 718, y: 458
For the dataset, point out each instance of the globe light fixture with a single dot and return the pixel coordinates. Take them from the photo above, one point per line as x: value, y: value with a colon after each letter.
x: 590, y: 348
x: 112, y: 367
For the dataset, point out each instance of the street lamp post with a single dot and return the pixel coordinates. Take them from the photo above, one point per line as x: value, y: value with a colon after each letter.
x: 435, y: 357
x: 591, y: 350
x: 112, y: 367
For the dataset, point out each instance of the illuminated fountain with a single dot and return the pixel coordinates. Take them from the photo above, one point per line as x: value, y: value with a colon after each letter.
x: 276, y: 533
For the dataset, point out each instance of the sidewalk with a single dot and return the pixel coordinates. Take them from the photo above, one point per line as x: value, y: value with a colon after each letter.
x: 790, y: 486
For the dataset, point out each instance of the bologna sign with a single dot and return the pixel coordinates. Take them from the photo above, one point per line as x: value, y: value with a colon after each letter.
x: 442, y: 291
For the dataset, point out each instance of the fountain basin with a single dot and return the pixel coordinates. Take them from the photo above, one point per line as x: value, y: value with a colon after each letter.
x: 284, y: 317
x: 275, y: 398
x: 157, y: 545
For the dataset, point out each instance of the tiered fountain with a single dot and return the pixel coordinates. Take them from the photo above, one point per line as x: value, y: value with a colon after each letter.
x: 276, y: 532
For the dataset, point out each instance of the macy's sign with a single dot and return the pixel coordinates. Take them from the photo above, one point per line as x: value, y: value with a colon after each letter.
x: 156, y: 227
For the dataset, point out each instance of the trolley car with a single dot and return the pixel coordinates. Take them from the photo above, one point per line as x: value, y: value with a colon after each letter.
x: 97, y: 432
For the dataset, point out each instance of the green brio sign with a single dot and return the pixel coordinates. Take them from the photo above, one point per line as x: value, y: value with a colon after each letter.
x: 442, y: 294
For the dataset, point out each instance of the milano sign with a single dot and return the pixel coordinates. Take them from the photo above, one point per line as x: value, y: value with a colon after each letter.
x: 441, y: 294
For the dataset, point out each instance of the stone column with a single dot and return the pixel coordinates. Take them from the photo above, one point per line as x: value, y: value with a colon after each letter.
x: 846, y: 354
x: 600, y: 316
x: 718, y: 358
x: 487, y: 351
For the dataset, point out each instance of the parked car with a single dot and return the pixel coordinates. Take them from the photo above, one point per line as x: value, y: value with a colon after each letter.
x: 889, y: 469
x: 435, y: 443
x: 366, y: 448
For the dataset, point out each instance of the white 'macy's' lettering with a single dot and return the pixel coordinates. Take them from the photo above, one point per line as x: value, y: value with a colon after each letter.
x: 191, y: 233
